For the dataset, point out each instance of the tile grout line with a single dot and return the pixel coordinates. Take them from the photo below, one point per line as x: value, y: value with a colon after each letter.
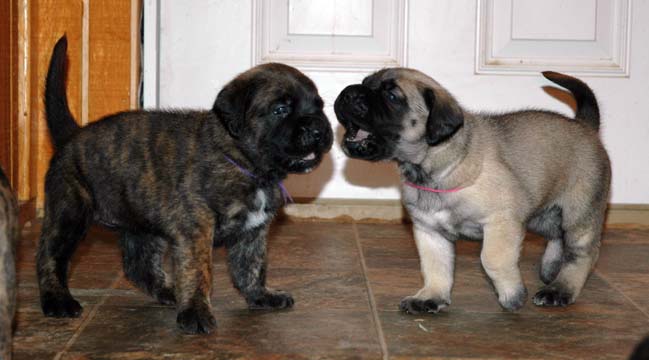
x: 610, y: 283
x: 87, y: 320
x: 370, y: 295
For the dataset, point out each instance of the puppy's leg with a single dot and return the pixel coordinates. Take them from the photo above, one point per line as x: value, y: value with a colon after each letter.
x: 143, y: 257
x: 552, y: 260
x: 437, y: 257
x: 67, y: 218
x: 192, y: 256
x: 247, y: 263
x: 580, y: 254
x: 500, y: 253
x: 549, y: 224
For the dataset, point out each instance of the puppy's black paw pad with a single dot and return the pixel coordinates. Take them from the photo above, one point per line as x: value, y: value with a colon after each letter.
x: 196, y: 321
x: 552, y: 297
x: 60, y: 306
x: 166, y: 296
x: 272, y: 300
x: 413, y: 305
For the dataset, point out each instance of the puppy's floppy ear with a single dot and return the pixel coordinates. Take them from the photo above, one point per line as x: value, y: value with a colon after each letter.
x: 232, y: 104
x: 445, y: 117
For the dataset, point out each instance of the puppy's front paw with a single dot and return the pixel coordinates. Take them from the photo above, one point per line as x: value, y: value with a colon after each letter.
x: 196, y: 320
x: 515, y: 300
x: 413, y: 305
x: 271, y: 300
x: 165, y: 296
x: 60, y: 306
x: 553, y: 296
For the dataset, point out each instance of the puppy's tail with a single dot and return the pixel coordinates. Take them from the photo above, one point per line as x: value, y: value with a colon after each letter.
x: 59, y: 119
x: 587, y: 109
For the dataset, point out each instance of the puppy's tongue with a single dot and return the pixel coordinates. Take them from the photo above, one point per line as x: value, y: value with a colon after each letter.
x: 361, y: 135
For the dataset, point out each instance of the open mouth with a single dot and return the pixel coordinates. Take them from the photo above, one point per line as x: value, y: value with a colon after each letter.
x: 357, y: 135
x: 360, y: 143
x: 304, y: 164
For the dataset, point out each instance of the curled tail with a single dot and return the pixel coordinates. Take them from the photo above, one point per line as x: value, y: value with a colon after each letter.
x: 59, y: 119
x: 587, y: 109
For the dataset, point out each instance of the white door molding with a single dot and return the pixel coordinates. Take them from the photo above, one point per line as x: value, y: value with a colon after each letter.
x: 584, y: 37
x: 312, y: 35
x: 150, y: 54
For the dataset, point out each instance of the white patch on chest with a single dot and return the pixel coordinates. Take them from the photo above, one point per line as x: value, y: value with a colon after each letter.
x: 432, y: 212
x: 259, y: 216
x: 433, y: 219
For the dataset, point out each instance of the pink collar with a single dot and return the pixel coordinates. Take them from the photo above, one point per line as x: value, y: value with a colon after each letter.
x: 433, y: 190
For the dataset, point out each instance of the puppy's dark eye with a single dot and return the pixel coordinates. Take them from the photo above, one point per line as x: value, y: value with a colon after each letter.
x: 281, y: 110
x: 391, y: 96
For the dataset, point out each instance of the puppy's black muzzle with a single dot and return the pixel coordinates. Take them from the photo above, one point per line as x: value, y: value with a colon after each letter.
x: 353, y: 111
x: 354, y: 99
x: 310, y: 138
x: 313, y: 132
x: 352, y: 104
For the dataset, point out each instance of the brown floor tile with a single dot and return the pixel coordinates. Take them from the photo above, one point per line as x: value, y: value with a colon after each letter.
x: 472, y: 290
x: 146, y: 355
x: 315, y: 246
x: 633, y: 286
x: 322, y: 272
x: 468, y: 328
x: 320, y: 265
x: 623, y: 259
x: 36, y: 333
x: 28, y: 298
x: 384, y: 231
x: 81, y: 276
x: 310, y: 333
x: 310, y: 290
x: 95, y: 264
x: 32, y: 355
x: 308, y: 229
x: 626, y: 234
x: 512, y: 336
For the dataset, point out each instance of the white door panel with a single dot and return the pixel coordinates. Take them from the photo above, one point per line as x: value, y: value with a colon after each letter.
x: 585, y: 37
x: 203, y: 44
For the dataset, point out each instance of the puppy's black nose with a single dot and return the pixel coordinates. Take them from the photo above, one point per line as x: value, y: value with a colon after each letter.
x: 310, y: 135
x: 316, y: 134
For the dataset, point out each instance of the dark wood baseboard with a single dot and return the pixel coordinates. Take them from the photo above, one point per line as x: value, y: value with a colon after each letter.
x: 26, y: 211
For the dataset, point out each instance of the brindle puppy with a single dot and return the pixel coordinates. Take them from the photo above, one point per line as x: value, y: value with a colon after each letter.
x: 641, y: 351
x: 495, y: 175
x: 179, y: 182
x: 8, y: 241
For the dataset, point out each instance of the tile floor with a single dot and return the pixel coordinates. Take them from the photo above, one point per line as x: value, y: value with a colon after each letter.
x: 347, y: 279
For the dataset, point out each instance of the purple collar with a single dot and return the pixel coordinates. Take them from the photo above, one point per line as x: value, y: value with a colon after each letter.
x: 287, y: 197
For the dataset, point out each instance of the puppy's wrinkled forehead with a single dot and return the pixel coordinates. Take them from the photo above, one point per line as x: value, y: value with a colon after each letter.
x: 406, y: 79
x: 284, y: 74
x: 282, y: 82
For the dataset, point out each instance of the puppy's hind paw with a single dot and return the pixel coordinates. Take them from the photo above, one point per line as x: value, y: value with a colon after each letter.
x: 196, y: 320
x: 271, y: 300
x: 552, y: 296
x: 60, y: 306
x: 412, y: 305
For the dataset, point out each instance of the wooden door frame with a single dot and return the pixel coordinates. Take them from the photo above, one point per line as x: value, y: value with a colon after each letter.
x: 32, y: 42
x: 17, y: 116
